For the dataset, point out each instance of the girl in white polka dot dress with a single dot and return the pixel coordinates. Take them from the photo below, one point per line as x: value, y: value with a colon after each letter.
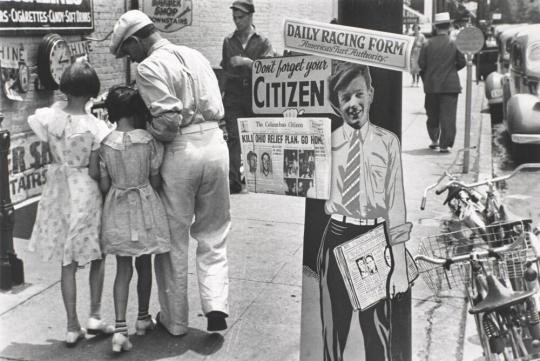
x: 68, y: 221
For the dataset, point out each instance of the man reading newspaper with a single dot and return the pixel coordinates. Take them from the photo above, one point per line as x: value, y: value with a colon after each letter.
x: 366, y: 190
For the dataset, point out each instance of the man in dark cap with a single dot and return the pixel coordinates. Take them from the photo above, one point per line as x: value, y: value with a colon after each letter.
x: 240, y: 49
x: 439, y: 62
x: 366, y: 190
x: 181, y: 91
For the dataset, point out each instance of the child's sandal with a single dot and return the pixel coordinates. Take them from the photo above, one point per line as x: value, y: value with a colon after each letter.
x: 73, y: 337
x: 96, y: 326
x: 141, y: 326
x: 120, y: 342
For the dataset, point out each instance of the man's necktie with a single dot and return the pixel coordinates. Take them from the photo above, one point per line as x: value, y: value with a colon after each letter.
x: 351, y: 183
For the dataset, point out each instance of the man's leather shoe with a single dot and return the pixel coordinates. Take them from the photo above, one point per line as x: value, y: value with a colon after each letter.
x: 216, y: 321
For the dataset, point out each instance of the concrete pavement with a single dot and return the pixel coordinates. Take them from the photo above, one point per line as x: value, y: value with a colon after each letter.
x: 265, y: 253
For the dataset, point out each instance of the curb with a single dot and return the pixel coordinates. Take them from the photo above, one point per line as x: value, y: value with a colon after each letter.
x: 472, y: 350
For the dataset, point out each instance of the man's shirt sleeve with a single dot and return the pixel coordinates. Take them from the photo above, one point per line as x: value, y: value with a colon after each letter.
x: 395, y: 197
x: 165, y: 108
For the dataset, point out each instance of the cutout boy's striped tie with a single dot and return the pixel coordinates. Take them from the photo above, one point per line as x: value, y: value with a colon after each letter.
x: 351, y: 183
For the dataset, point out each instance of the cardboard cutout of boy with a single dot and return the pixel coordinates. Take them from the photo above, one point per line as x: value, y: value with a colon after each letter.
x: 366, y: 190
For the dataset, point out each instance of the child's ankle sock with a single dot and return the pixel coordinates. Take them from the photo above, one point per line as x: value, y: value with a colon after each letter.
x: 120, y: 327
x: 143, y: 315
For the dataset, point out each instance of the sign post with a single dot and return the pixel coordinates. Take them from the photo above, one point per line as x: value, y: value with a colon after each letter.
x: 469, y: 41
x: 11, y: 267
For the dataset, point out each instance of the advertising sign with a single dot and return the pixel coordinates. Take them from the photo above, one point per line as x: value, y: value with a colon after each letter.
x: 169, y: 15
x: 46, y: 16
x: 288, y: 156
x: 299, y: 82
x: 357, y: 45
x: 14, y: 73
x: 26, y: 163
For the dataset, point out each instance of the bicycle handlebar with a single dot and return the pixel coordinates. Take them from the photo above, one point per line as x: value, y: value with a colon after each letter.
x: 485, y: 253
x: 445, y: 174
x: 423, y: 205
x: 488, y: 181
x: 472, y: 185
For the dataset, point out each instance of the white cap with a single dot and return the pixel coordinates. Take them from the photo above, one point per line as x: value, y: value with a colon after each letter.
x: 442, y: 18
x: 128, y: 24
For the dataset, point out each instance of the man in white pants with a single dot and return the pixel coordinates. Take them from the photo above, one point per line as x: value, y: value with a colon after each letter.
x: 180, y: 88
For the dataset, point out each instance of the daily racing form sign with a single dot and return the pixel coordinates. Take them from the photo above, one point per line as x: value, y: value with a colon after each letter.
x: 369, y: 47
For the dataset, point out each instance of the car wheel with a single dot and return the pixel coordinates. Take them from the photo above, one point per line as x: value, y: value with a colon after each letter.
x: 496, y: 113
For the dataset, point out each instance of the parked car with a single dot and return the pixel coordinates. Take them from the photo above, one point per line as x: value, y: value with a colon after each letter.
x: 494, y: 90
x: 486, y: 59
x: 522, y: 118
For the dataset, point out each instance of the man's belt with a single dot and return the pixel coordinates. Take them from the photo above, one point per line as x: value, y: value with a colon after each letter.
x: 358, y: 221
x: 198, y: 127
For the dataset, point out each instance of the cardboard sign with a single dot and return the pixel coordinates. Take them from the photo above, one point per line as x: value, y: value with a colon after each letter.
x: 363, y: 46
x: 169, y: 15
x: 14, y: 73
x: 26, y: 163
x: 299, y: 82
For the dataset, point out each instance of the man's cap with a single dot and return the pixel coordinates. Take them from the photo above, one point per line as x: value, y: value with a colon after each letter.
x: 127, y: 25
x: 243, y: 5
x: 442, y: 18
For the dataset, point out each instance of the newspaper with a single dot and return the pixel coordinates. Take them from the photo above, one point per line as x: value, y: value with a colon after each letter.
x: 364, y: 263
x: 288, y: 156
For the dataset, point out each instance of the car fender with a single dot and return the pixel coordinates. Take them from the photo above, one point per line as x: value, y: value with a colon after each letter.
x: 523, y: 114
x: 493, y: 88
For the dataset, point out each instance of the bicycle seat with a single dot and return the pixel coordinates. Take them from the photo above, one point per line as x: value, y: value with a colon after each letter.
x: 499, y: 297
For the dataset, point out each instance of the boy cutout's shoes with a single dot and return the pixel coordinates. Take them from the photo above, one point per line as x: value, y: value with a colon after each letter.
x: 216, y: 321
x: 120, y: 342
x: 96, y: 326
x: 73, y: 337
x: 141, y: 326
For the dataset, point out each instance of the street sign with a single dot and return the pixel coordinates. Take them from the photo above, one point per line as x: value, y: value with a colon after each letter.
x: 470, y: 40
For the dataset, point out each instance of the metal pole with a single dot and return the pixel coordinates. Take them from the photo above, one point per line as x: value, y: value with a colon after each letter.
x: 467, y: 115
x: 11, y: 268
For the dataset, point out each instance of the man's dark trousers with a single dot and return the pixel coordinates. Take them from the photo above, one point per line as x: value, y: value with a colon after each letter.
x: 337, y: 312
x: 441, y: 117
x: 237, y: 103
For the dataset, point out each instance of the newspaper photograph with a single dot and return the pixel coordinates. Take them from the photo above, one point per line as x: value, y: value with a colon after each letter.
x: 287, y: 156
x: 363, y: 264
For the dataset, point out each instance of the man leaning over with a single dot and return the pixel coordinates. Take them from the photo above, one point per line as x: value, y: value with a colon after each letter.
x: 181, y: 90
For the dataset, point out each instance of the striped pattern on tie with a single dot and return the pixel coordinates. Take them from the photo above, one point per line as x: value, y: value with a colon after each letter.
x: 351, y: 183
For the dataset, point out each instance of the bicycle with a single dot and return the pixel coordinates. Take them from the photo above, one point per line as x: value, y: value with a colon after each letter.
x: 500, y: 279
x: 470, y: 207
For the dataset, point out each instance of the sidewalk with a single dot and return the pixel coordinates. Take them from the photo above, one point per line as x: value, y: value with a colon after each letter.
x: 265, y: 255
x: 439, y: 324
